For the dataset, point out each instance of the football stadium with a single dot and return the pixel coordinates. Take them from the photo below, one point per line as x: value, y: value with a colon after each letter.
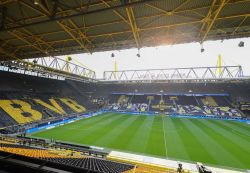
x: 94, y: 86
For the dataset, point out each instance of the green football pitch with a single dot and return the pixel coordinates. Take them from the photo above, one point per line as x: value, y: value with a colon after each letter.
x: 216, y: 142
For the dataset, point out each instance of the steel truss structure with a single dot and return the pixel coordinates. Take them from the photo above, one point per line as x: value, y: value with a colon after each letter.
x: 192, y: 74
x: 55, y: 68
x: 49, y: 67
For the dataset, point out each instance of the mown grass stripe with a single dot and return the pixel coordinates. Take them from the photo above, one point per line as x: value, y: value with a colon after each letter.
x: 76, y: 125
x: 124, y: 138
x: 90, y: 135
x: 238, y: 130
x: 155, y: 144
x: 76, y: 134
x: 139, y: 141
x: 91, y: 120
x: 176, y: 148
x: 111, y: 135
x: 85, y: 129
x: 230, y: 145
x: 214, y: 145
x: 233, y: 136
x: 193, y: 144
x: 241, y: 124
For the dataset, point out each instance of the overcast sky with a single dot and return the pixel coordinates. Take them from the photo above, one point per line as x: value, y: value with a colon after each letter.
x: 182, y: 55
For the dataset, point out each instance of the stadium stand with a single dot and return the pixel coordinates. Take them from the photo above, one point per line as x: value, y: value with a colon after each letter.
x: 28, y: 99
x: 25, y: 99
x: 35, y: 152
x: 237, y: 91
x: 35, y: 101
x: 71, y: 158
x: 184, y: 104
x: 57, y: 91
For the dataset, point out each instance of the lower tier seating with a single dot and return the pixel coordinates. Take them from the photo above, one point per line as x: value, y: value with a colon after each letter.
x: 90, y: 163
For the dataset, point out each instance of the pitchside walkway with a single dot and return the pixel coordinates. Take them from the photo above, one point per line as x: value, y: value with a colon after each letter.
x: 160, y: 164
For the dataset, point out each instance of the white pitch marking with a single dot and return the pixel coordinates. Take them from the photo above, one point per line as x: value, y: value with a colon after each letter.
x: 164, y: 137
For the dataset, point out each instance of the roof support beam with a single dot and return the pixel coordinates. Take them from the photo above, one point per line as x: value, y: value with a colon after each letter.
x: 144, y: 29
x: 34, y: 41
x: 77, y: 9
x: 27, y: 35
x: 208, y: 17
x: 93, y: 36
x: 54, y: 8
x: 159, y: 40
x: 167, y: 12
x: 236, y: 29
x: 163, y: 13
x: 75, y: 38
x: 72, y: 30
x: 133, y: 26
x: 82, y: 13
x: 3, y: 2
x: 210, y: 25
x: 120, y: 16
x: 116, y: 12
x: 20, y: 37
x: 3, y: 11
x: 75, y: 32
x: 48, y: 6
x: 38, y: 17
x: 8, y: 54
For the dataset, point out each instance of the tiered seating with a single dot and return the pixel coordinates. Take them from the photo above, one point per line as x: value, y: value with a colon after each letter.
x: 154, y: 106
x: 190, y: 109
x: 189, y: 105
x: 207, y: 110
x: 123, y: 99
x: 222, y: 101
x: 186, y: 100
x: 113, y: 98
x: 27, y: 151
x: 20, y: 111
x: 139, y: 99
x: 163, y: 104
x: 90, y: 163
x: 22, y: 108
x: 225, y: 111
x: 6, y: 120
x: 209, y: 101
x: 93, y: 164
x: 27, y: 99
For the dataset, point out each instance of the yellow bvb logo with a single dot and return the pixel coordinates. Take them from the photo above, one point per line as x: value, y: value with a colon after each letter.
x: 22, y: 112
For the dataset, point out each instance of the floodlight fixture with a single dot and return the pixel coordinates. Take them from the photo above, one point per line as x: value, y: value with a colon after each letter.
x: 241, y: 44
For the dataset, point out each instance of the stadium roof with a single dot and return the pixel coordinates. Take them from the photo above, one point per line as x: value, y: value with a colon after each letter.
x: 38, y: 28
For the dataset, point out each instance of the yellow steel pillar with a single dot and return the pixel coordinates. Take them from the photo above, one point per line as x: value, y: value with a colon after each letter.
x: 218, y: 65
x: 115, y: 67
